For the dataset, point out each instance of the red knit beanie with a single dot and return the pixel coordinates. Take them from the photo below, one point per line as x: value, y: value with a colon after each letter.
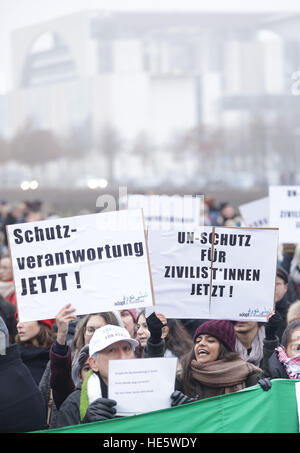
x: 220, y: 329
x: 48, y: 322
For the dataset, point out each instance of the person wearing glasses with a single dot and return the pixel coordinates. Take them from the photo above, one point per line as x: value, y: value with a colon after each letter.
x: 63, y: 357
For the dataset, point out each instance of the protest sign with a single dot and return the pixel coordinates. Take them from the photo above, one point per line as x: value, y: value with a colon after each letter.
x: 163, y: 212
x: 255, y: 213
x: 96, y: 262
x: 285, y: 212
x: 214, y: 273
x: 141, y: 385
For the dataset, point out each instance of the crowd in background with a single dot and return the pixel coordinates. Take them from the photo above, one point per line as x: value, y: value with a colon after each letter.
x: 54, y: 371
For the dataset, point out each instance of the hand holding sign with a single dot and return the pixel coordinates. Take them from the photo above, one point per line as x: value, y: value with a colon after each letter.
x: 63, y: 318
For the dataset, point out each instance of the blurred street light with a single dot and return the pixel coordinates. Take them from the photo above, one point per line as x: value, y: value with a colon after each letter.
x: 32, y: 185
x: 95, y: 183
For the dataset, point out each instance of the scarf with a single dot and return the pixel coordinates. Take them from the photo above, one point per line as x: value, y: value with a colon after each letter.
x: 223, y: 376
x: 90, y: 391
x: 291, y: 365
x: 256, y: 353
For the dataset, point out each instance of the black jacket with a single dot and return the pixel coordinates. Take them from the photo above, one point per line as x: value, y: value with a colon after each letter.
x: 276, y: 368
x: 36, y: 359
x: 22, y: 407
x: 282, y: 307
x: 69, y: 412
x: 272, y: 367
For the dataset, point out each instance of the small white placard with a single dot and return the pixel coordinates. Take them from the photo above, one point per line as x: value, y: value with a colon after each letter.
x: 141, y: 385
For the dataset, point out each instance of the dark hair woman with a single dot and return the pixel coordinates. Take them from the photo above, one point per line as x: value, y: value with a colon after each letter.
x: 86, y: 327
x: 175, y: 340
x: 213, y: 367
x: 35, y: 339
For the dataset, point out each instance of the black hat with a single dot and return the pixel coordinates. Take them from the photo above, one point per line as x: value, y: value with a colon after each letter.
x: 282, y: 273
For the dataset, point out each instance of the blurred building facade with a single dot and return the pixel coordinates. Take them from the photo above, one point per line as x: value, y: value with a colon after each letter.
x: 158, y: 73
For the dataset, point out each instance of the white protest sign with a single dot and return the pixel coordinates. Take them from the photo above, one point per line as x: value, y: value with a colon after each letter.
x: 164, y: 212
x: 285, y: 212
x: 141, y: 385
x: 255, y: 213
x: 96, y: 262
x: 214, y: 273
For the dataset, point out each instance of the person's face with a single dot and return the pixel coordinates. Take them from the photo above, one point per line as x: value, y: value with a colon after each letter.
x: 6, y: 273
x: 293, y: 347
x: 207, y: 348
x: 143, y: 333
x: 128, y: 322
x: 228, y: 212
x: 120, y: 350
x: 28, y: 330
x: 84, y: 370
x: 280, y: 288
x: 94, y: 322
x: 245, y: 327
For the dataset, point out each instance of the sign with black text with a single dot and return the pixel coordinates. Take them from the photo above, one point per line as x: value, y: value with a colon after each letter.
x: 96, y: 262
x: 285, y: 212
x: 214, y: 272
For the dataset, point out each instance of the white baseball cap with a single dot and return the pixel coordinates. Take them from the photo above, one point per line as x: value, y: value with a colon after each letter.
x: 107, y: 335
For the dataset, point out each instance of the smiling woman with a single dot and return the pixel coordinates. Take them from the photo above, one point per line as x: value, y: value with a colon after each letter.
x: 212, y: 367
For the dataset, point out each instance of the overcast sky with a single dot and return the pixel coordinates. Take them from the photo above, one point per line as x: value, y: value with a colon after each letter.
x: 16, y: 14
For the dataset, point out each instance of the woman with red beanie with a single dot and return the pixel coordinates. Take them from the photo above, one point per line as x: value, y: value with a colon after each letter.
x: 35, y: 339
x: 213, y: 367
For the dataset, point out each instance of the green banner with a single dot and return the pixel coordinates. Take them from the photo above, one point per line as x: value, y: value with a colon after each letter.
x: 251, y: 410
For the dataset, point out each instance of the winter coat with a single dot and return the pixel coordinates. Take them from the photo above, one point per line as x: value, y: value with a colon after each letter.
x: 201, y: 390
x: 61, y: 380
x: 69, y: 412
x: 281, y: 308
x: 271, y: 366
x: 36, y: 359
x: 22, y: 407
x: 276, y: 369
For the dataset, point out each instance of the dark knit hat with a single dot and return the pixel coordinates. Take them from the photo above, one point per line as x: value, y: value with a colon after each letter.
x: 220, y: 329
x: 282, y: 273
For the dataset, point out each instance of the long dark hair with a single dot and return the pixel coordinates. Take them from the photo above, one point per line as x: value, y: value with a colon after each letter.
x: 178, y: 340
x: 190, y: 385
x: 44, y: 338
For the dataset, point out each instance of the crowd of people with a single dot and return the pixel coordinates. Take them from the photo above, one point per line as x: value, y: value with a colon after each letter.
x: 55, y: 371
